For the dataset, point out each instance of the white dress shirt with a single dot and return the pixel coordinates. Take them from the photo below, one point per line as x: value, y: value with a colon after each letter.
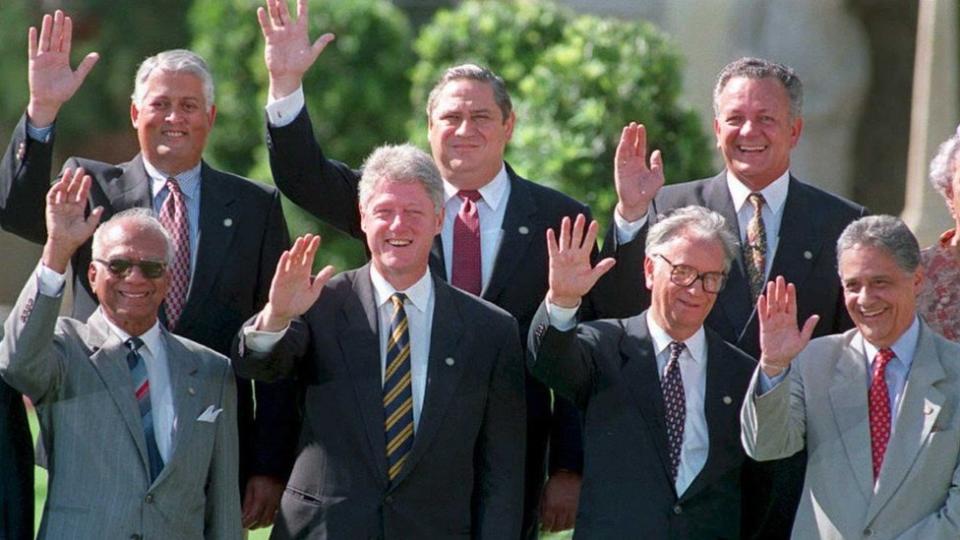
x: 898, y: 368
x: 775, y: 197
x: 189, y: 181
x: 50, y: 283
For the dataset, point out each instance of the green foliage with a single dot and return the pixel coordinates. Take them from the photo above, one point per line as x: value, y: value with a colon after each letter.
x: 356, y: 91
x: 575, y: 81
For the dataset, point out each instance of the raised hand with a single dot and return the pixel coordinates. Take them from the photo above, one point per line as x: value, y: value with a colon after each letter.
x: 636, y: 181
x: 67, y: 226
x: 288, y: 52
x: 780, y: 338
x: 52, y: 81
x: 293, y: 290
x: 571, y: 275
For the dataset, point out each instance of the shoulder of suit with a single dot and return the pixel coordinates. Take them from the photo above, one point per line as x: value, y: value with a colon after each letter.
x: 828, y: 203
x: 240, y: 184
x: 475, y: 308
x: 96, y: 168
x: 732, y: 353
x: 206, y: 355
x: 548, y: 198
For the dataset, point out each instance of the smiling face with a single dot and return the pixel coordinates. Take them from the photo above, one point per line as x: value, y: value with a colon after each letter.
x: 131, y: 301
x: 755, y: 131
x: 680, y: 311
x: 172, y: 120
x: 880, y: 296
x: 468, y: 133
x: 400, y: 222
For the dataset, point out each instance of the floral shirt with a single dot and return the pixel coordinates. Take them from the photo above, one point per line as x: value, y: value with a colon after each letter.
x: 939, y: 302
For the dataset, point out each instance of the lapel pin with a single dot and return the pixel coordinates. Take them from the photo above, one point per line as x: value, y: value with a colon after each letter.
x: 928, y: 410
x: 523, y: 229
x: 807, y: 255
x: 450, y: 361
x: 727, y: 400
x: 227, y: 222
x: 192, y: 391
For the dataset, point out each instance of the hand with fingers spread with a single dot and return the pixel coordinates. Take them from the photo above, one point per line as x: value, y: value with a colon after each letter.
x: 52, y: 82
x: 293, y: 289
x: 571, y: 275
x: 636, y: 181
x: 67, y: 225
x: 780, y: 338
x: 288, y: 52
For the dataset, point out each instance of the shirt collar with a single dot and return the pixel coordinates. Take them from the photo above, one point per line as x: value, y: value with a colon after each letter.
x: 492, y: 192
x: 418, y: 294
x: 189, y: 180
x: 151, y: 338
x: 904, y: 347
x: 696, y: 344
x: 774, y: 194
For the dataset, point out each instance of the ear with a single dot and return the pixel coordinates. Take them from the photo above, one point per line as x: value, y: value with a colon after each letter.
x: 648, y: 272
x: 796, y: 127
x: 440, y: 216
x: 134, y: 114
x: 212, y: 115
x: 509, y: 123
x: 92, y: 273
x: 918, y: 280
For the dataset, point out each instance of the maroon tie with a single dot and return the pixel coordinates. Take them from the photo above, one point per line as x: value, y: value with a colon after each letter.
x: 466, y: 244
x: 879, y: 405
x: 173, y: 216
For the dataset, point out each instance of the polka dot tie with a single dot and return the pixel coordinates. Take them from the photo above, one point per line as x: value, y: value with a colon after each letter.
x: 173, y: 216
x: 879, y: 403
x: 675, y: 404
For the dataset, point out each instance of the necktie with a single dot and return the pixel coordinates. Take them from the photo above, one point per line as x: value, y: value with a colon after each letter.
x: 141, y: 385
x: 879, y: 405
x: 397, y: 391
x: 173, y: 216
x: 466, y: 244
x: 676, y: 406
x: 756, y: 250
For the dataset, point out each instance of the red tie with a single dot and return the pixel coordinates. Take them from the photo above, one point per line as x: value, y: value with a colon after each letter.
x: 173, y: 216
x: 879, y: 403
x: 466, y: 244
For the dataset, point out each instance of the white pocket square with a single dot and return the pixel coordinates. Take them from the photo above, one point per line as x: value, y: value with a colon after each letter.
x: 209, y: 415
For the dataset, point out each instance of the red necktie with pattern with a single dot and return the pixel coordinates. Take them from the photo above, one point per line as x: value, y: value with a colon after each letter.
x: 675, y: 406
x: 173, y: 216
x: 879, y: 405
x: 466, y: 245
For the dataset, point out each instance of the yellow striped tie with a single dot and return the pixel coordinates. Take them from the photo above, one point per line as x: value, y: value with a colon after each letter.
x: 397, y: 391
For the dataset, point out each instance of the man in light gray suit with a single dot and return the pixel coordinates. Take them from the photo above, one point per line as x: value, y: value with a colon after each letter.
x: 140, y: 424
x: 876, y: 407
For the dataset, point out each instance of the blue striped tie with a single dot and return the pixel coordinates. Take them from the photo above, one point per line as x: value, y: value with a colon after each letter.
x: 141, y: 385
x: 397, y: 391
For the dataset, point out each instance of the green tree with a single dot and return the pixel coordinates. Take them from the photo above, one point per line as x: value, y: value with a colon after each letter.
x: 575, y: 81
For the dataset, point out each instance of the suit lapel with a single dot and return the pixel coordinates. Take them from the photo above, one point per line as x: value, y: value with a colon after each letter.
x: 130, y: 190
x: 919, y: 408
x: 517, y: 230
x: 443, y: 377
x: 183, y: 367
x: 358, y: 337
x: 848, y: 400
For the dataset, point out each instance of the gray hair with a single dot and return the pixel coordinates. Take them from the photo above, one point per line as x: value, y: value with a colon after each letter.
x: 473, y: 72
x: 144, y: 218
x: 758, y: 68
x: 944, y: 165
x: 884, y: 232
x: 401, y: 163
x: 696, y: 221
x: 176, y: 61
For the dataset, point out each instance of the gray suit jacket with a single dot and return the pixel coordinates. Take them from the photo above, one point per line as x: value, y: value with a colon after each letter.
x: 822, y: 405
x: 99, y: 485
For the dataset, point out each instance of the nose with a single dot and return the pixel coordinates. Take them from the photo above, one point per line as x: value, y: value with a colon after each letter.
x: 465, y: 127
x: 747, y: 127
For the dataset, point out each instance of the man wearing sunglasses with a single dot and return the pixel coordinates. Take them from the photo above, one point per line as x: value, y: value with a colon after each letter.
x: 139, y: 424
x: 662, y: 393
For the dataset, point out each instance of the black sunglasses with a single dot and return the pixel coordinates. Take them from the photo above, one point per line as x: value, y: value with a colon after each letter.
x: 123, y: 267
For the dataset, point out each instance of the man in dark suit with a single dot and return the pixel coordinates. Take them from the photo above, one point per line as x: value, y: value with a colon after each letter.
x: 786, y: 227
x: 229, y: 231
x: 661, y: 393
x: 413, y: 387
x: 16, y: 460
x: 470, y: 121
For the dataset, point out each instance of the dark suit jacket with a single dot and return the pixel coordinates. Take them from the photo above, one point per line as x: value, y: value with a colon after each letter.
x: 463, y: 477
x: 609, y: 369
x: 806, y: 256
x: 242, y: 234
x: 328, y: 189
x: 16, y: 461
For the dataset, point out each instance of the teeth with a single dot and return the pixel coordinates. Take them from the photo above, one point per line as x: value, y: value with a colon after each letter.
x: 751, y: 148
x: 871, y: 313
x: 133, y: 295
x: 399, y: 243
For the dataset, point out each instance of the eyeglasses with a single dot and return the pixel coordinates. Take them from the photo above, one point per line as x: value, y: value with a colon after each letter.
x: 123, y: 267
x: 684, y: 275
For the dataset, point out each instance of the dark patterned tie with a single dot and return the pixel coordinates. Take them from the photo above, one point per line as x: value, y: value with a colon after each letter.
x: 173, y: 216
x: 467, y: 273
x: 879, y: 408
x: 675, y: 404
x: 755, y: 252
x: 141, y: 385
x: 397, y: 390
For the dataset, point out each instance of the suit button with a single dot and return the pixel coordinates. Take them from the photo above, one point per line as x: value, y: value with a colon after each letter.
x: 677, y: 509
x: 868, y: 532
x: 389, y: 499
x: 149, y: 498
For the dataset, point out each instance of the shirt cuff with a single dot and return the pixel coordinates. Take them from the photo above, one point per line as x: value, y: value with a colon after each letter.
x: 39, y: 134
x: 767, y: 383
x: 627, y: 230
x: 50, y: 282
x: 281, y: 112
x: 562, y: 318
x: 260, y: 340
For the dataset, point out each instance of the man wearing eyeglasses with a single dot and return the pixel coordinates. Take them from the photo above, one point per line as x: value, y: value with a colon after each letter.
x: 661, y: 393
x: 139, y: 424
